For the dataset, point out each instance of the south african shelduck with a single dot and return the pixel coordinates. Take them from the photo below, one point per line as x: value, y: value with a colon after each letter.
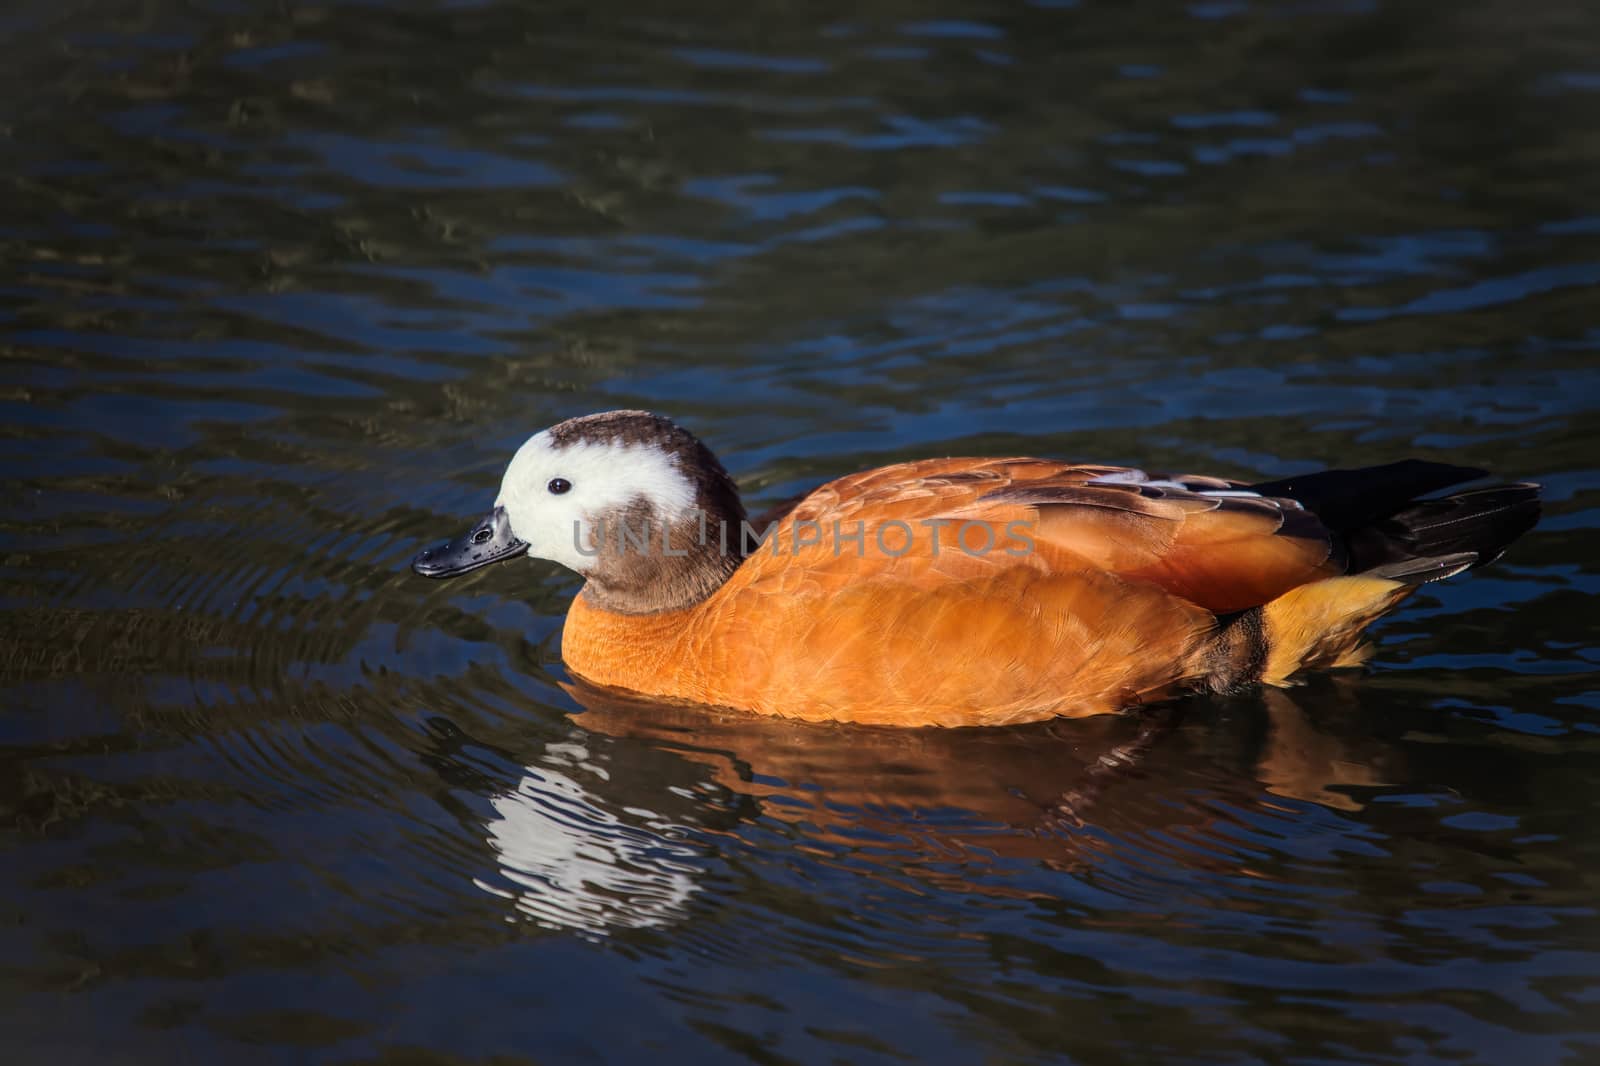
x: 960, y: 592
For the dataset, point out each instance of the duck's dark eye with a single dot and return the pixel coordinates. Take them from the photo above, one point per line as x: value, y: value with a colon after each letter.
x: 558, y: 485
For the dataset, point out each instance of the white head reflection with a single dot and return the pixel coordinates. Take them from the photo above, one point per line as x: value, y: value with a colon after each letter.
x: 571, y: 864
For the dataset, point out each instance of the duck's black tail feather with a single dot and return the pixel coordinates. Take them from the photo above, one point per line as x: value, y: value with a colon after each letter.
x: 1481, y: 521
x: 1392, y: 543
x: 1386, y: 528
x: 1349, y: 499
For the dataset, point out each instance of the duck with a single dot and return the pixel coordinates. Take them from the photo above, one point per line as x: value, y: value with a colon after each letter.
x: 966, y: 591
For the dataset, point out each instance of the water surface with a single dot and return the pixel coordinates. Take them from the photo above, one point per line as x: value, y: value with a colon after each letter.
x: 285, y: 284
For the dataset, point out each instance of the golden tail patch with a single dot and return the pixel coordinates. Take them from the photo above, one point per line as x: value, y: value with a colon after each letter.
x: 1320, y: 624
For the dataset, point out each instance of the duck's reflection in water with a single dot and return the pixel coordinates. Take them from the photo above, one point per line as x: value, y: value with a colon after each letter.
x: 618, y: 825
x: 567, y: 854
x: 1027, y: 780
x: 573, y: 864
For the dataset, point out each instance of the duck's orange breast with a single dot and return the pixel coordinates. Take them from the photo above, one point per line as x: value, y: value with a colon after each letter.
x: 964, y: 592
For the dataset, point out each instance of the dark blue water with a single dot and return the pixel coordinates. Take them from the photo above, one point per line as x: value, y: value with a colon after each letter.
x: 284, y: 285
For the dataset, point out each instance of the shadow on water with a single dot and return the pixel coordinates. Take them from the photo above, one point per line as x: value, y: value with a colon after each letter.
x: 283, y: 286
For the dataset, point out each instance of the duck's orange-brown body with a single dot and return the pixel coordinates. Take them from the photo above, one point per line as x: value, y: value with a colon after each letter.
x: 966, y: 591
x: 1091, y: 597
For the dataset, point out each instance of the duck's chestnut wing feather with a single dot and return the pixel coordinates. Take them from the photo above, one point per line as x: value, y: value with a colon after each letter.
x: 1203, y: 539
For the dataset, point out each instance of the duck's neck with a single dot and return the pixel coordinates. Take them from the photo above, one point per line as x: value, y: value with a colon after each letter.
x: 644, y: 565
x: 638, y: 652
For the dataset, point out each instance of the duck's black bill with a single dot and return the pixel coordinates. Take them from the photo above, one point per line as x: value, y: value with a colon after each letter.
x: 487, y: 542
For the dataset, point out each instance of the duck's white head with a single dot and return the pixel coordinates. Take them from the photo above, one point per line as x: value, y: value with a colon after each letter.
x: 625, y: 498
